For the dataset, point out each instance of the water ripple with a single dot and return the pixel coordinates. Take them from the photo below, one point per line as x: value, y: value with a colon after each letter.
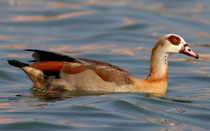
x: 120, y: 32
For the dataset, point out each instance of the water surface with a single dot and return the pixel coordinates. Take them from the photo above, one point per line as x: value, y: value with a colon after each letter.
x: 120, y: 32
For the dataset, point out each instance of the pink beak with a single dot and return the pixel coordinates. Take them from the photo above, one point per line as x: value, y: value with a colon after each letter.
x: 187, y: 51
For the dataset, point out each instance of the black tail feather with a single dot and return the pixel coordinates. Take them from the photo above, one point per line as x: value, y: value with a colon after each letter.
x: 17, y: 63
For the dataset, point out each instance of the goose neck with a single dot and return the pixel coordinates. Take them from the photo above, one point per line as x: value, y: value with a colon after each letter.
x: 158, y: 66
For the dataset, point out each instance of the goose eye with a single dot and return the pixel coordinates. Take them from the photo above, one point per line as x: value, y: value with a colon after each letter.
x: 174, y: 40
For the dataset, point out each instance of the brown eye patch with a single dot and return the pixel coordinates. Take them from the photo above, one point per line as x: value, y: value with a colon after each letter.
x: 174, y: 40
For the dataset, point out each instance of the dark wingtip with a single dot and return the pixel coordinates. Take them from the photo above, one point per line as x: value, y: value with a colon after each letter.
x: 17, y: 63
x: 30, y: 50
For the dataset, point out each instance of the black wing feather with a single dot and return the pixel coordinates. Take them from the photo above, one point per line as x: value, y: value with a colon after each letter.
x: 41, y: 55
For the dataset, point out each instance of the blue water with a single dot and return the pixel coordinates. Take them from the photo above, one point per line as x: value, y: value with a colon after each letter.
x: 121, y: 32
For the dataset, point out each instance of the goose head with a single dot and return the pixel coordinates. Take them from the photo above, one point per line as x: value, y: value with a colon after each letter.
x: 173, y: 44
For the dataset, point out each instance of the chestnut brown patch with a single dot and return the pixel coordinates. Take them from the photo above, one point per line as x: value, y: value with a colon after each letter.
x: 71, y: 68
x: 54, y: 66
x: 175, y: 40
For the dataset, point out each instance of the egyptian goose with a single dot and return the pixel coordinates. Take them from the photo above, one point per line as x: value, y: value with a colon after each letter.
x: 55, y: 71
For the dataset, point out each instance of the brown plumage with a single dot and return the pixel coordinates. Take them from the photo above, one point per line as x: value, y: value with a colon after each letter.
x: 60, y: 71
